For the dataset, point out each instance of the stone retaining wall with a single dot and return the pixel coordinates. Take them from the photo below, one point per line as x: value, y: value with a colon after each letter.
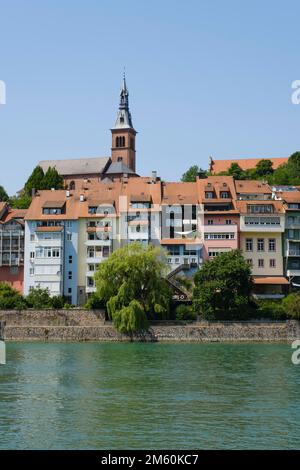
x: 76, y: 317
x: 84, y: 325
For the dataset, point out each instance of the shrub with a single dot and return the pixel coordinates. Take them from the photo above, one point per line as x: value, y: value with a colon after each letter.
x: 39, y: 298
x: 57, y: 302
x: 185, y: 312
x: 271, y: 309
x: 10, y: 298
x: 95, y: 302
x: 291, y: 303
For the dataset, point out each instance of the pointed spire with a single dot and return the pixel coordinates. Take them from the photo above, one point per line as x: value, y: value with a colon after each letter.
x: 124, y: 117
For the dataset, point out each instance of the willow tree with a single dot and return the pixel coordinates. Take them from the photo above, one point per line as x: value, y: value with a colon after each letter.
x: 131, y: 284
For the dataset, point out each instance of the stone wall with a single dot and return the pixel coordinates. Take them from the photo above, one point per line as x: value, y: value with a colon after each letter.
x: 76, y: 317
x: 85, y: 325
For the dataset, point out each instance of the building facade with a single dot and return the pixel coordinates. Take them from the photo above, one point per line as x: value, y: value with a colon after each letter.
x: 12, y: 246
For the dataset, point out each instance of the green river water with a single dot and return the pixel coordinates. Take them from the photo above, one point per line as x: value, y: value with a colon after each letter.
x: 149, y: 396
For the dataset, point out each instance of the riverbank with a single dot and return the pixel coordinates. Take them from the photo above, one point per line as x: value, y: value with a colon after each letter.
x: 85, y: 325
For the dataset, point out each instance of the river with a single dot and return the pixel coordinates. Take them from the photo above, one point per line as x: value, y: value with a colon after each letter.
x: 149, y: 396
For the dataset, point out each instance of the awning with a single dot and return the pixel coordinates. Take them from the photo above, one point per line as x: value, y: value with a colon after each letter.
x: 279, y: 280
x: 53, y: 204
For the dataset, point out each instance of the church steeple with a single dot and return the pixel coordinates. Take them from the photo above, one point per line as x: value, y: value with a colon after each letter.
x: 124, y: 117
x: 123, y: 132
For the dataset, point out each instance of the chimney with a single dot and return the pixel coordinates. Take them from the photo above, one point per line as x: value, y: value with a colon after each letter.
x: 154, y: 176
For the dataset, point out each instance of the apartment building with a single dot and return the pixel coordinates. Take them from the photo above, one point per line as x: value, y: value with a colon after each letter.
x: 218, y: 215
x: 51, y: 233
x: 290, y: 197
x: 262, y: 224
x: 179, y: 224
x: 12, y: 246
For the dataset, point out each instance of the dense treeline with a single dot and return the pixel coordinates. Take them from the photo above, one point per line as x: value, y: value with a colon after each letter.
x: 286, y: 174
x: 38, y: 180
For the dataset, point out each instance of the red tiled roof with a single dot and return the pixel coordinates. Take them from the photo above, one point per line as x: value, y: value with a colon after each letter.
x: 217, y: 166
x: 269, y: 280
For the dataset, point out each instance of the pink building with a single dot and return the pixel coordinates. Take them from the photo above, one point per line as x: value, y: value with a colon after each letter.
x: 219, y: 218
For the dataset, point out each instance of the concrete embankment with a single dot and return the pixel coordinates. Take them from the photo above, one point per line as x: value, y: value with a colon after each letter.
x: 85, y: 325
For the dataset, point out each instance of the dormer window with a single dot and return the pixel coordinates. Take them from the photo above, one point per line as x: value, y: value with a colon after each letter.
x: 224, y: 194
x: 120, y: 159
x: 209, y: 195
x: 54, y: 208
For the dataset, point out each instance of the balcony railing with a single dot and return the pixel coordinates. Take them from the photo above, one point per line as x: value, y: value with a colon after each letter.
x: 293, y: 252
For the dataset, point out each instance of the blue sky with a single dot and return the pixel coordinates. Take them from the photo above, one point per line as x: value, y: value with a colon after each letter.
x: 205, y: 78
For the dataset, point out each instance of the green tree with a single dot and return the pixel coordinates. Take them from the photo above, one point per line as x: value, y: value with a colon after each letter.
x: 39, y: 298
x: 191, y: 174
x: 264, y: 168
x: 3, y: 195
x: 22, y: 201
x: 131, y: 284
x: 291, y: 304
x: 236, y: 172
x: 223, y: 287
x: 35, y: 181
x: 52, y: 179
x: 10, y: 298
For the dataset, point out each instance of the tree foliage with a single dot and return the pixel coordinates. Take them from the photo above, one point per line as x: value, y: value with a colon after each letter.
x: 131, y: 284
x: 291, y: 304
x: 191, y: 174
x: 223, y: 287
x: 3, y: 195
x: 10, y: 298
x: 38, y: 181
x: 39, y: 298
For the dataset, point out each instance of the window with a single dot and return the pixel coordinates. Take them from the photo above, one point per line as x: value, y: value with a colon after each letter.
x: 70, y: 259
x: 70, y: 290
x: 249, y: 244
x: 120, y: 159
x: 31, y: 271
x: 272, y: 263
x: 224, y: 194
x: 210, y: 222
x: 294, y: 206
x: 260, y: 209
x: 31, y: 254
x: 260, y: 244
x: 219, y: 236
x: 209, y: 195
x: 228, y: 221
x: 69, y: 223
x: 52, y: 211
x: 272, y: 244
x: 32, y: 237
x: 70, y: 275
x: 69, y: 236
x: 261, y: 263
x: 250, y: 262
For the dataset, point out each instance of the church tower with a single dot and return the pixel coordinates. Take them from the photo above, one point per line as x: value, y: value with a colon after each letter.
x: 123, y: 133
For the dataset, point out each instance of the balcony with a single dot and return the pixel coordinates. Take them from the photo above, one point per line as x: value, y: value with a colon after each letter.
x: 98, y: 242
x: 90, y: 290
x: 293, y: 252
x: 95, y: 259
x: 49, y: 261
x: 188, y: 260
x: 293, y: 272
x: 47, y: 277
x: 44, y: 243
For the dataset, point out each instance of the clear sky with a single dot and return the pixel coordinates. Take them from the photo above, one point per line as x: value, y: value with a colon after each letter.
x: 205, y: 78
